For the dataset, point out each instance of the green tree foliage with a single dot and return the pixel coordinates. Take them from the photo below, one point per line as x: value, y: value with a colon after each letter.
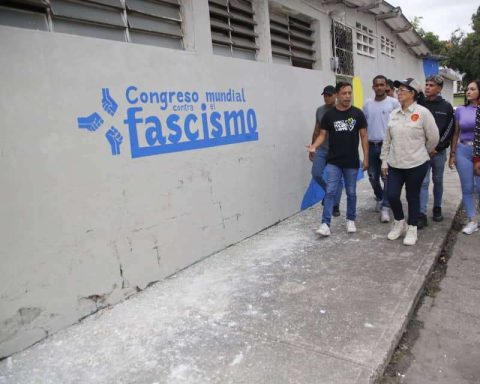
x: 433, y: 42
x: 463, y: 50
x: 460, y: 52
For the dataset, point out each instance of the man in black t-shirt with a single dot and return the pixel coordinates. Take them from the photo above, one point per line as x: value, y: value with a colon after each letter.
x: 343, y: 127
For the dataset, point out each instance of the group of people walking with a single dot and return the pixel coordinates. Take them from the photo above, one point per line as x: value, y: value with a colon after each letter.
x: 404, y: 140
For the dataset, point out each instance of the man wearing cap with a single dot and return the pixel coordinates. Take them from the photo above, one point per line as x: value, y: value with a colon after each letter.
x: 442, y: 112
x: 343, y: 127
x: 410, y: 138
x: 319, y: 158
x: 377, y: 111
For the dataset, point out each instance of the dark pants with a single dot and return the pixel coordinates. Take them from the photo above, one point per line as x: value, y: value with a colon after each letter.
x: 412, y: 178
x: 374, y: 173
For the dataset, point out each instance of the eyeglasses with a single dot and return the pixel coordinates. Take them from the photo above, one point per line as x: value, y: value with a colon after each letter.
x: 404, y: 90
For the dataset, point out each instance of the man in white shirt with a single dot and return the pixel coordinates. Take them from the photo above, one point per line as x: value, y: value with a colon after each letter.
x: 377, y: 112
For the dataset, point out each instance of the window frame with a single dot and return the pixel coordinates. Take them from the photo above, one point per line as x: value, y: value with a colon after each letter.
x: 344, y: 54
x: 387, y: 47
x: 292, y: 39
x: 152, y: 22
x: 365, y: 40
x: 233, y: 28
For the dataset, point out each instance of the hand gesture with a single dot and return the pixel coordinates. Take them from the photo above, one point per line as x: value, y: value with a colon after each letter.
x: 109, y: 105
x: 365, y: 164
x: 451, y: 161
x: 91, y: 123
x: 476, y: 168
x: 115, y: 138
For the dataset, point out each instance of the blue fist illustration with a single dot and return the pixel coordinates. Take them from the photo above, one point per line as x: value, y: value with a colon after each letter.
x: 92, y: 122
x: 109, y: 105
x: 115, y: 138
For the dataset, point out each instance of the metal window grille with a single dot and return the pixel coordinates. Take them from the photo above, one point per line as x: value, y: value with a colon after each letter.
x: 102, y: 19
x: 31, y: 14
x: 232, y: 23
x: 365, y: 41
x: 342, y: 45
x: 387, y: 47
x: 155, y: 22
x: 292, y: 40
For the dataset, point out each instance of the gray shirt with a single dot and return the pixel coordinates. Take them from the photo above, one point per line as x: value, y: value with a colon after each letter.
x: 319, y: 115
x: 377, y: 114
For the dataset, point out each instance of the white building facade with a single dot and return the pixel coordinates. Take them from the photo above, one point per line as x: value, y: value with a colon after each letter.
x: 140, y: 136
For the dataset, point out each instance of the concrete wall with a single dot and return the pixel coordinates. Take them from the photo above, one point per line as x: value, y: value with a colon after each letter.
x: 82, y: 228
x: 447, y: 90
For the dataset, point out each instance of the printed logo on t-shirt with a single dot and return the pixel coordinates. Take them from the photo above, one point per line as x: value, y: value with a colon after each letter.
x: 345, y: 125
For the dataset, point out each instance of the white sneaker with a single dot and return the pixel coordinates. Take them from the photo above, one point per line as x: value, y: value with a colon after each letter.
x: 385, y: 215
x: 471, y: 227
x: 324, y: 230
x: 411, y: 236
x: 397, y: 230
x: 351, y: 228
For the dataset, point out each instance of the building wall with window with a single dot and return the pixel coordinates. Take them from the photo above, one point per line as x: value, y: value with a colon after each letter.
x: 136, y: 144
x: 390, y: 56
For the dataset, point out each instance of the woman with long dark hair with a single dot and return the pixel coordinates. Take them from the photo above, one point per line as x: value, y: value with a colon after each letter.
x: 461, y: 153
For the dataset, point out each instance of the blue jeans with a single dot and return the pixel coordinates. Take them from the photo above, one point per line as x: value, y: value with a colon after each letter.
x: 319, y: 162
x: 412, y: 178
x: 467, y: 180
x: 437, y: 167
x: 334, y: 175
x: 374, y: 173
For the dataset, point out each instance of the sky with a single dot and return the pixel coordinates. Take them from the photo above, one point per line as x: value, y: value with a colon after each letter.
x: 441, y: 17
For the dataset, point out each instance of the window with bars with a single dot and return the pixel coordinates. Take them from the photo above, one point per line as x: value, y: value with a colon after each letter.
x: 342, y: 45
x: 292, y: 40
x: 155, y: 22
x: 232, y: 23
x: 387, y: 47
x: 365, y: 40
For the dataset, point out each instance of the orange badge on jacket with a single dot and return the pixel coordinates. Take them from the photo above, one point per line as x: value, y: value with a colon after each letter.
x: 415, y: 117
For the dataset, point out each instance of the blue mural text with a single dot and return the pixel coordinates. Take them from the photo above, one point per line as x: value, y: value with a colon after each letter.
x: 205, y: 126
x: 171, y: 121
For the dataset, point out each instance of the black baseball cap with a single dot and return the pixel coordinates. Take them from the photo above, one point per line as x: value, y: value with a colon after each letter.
x: 329, y: 90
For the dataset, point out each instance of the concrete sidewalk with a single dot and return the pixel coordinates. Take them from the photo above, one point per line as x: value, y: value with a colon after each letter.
x: 280, y: 307
x: 442, y: 344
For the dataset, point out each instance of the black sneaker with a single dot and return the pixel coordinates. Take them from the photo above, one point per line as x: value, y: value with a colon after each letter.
x: 422, y: 221
x: 437, y: 214
x: 336, y: 211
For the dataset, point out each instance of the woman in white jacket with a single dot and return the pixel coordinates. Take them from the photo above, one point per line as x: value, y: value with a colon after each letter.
x: 411, y: 135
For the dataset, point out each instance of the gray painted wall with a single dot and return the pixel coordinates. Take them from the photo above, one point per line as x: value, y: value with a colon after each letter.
x: 82, y: 229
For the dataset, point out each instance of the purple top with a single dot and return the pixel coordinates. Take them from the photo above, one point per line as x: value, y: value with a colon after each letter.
x: 465, y: 116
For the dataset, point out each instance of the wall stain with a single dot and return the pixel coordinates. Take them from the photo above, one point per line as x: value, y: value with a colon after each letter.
x: 157, y: 252
x: 117, y: 256
x: 23, y: 317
